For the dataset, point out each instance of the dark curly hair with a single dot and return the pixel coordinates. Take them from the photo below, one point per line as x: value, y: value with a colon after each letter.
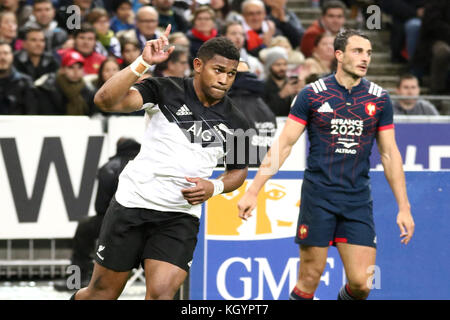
x: 218, y: 46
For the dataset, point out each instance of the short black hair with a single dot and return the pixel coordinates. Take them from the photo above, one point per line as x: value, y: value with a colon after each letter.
x: 32, y: 28
x: 86, y: 27
x: 333, y: 4
x: 341, y: 40
x: 42, y: 1
x: 406, y: 76
x: 218, y: 46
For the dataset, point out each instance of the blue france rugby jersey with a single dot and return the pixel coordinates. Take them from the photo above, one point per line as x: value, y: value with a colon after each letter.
x: 341, y: 126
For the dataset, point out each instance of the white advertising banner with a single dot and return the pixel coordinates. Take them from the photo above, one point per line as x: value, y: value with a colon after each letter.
x: 48, y: 169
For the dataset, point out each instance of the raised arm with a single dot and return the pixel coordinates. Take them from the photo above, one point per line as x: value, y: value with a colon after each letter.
x: 116, y: 95
x: 272, y: 162
x: 393, y: 170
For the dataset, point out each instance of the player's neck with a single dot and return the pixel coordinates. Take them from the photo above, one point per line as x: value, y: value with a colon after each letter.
x: 204, y: 99
x: 347, y: 80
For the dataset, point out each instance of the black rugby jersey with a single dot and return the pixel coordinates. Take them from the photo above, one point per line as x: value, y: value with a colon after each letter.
x: 182, y: 138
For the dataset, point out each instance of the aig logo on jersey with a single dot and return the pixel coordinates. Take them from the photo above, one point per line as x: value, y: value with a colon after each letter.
x: 209, y: 135
x: 370, y: 108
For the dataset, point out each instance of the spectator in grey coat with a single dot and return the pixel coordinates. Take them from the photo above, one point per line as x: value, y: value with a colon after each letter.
x: 408, y: 85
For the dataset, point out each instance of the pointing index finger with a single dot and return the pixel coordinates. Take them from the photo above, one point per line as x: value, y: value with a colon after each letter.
x: 168, y: 28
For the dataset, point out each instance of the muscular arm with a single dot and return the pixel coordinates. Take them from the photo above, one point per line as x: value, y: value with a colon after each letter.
x: 274, y: 159
x: 116, y: 94
x: 393, y: 170
x: 233, y: 179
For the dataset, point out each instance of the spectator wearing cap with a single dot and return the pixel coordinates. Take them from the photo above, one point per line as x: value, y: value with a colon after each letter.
x: 65, y: 92
x: 146, y: 27
x: 33, y: 60
x: 279, y: 89
x: 203, y: 29
x: 123, y: 18
x: 408, y: 86
x: 169, y: 14
x: 84, y: 43
x: 107, y: 43
x: 16, y: 89
x: 332, y: 21
x: 295, y: 57
x: 44, y: 16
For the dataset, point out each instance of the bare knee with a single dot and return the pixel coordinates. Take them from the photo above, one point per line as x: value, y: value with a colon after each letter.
x: 309, y: 277
x: 160, y: 292
x: 359, y: 288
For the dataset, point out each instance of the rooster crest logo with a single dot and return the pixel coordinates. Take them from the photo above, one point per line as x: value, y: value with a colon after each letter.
x: 371, y: 108
x: 303, y: 231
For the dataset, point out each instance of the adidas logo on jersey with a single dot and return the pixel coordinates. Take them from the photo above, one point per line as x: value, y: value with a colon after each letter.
x: 318, y: 86
x: 184, y: 111
x: 375, y: 89
x: 325, y: 108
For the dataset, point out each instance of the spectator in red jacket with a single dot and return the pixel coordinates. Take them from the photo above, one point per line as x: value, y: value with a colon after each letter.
x: 85, y: 41
x: 331, y: 21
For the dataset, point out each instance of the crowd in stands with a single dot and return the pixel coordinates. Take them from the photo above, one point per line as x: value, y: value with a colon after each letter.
x: 53, y: 58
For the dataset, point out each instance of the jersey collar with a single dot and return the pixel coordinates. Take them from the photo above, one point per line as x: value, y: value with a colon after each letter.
x: 353, y: 89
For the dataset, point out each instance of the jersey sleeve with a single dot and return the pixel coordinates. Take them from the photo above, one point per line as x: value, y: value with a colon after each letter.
x: 149, y: 90
x: 300, y: 107
x: 387, y: 113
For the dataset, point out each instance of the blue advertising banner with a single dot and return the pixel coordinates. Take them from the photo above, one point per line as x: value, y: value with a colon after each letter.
x: 422, y: 146
x: 258, y: 259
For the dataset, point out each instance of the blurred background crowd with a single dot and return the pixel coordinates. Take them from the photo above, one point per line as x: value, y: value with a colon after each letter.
x: 55, y: 54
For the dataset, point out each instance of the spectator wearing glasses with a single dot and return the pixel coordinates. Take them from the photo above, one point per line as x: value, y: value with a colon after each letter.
x: 146, y: 27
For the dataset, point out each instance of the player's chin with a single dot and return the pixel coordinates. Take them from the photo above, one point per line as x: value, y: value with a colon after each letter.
x: 216, y: 93
x: 361, y: 72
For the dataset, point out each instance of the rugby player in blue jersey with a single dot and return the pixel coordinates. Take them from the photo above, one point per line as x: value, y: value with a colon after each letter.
x: 343, y: 114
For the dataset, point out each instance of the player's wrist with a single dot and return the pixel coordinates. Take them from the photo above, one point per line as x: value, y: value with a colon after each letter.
x: 218, y: 187
x: 139, y: 66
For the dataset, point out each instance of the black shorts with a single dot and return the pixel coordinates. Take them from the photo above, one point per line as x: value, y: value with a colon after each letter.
x: 130, y: 235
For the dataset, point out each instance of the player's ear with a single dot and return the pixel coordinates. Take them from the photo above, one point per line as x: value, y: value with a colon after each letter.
x: 339, y: 54
x: 198, y: 65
